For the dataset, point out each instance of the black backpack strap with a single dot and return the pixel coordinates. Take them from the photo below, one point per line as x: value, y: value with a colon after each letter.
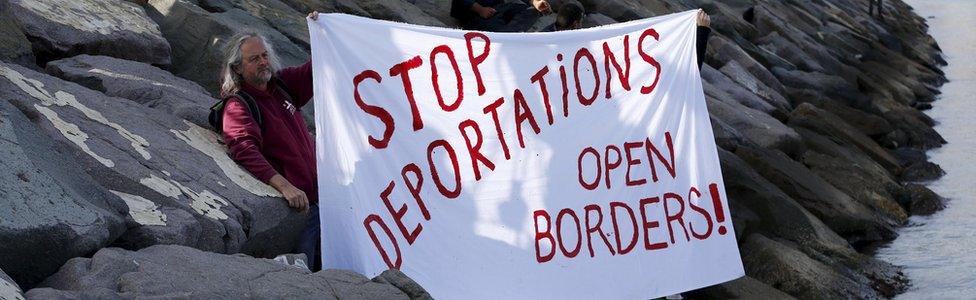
x: 216, y: 117
x: 289, y: 96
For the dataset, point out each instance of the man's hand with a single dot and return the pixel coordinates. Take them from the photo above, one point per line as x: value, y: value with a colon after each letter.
x: 314, y: 15
x: 542, y: 6
x: 296, y: 198
x: 703, y: 19
x: 484, y: 12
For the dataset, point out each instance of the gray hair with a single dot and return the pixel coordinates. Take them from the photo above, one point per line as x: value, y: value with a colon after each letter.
x: 233, y: 57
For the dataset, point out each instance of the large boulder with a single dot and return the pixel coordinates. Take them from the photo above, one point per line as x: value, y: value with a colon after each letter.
x: 14, y: 46
x: 851, y: 171
x: 279, y: 15
x: 9, y: 289
x: 849, y: 218
x: 139, y: 82
x: 808, y: 116
x: 792, y: 271
x: 400, y: 11
x: 757, y: 86
x: 186, y: 189
x: 50, y: 209
x: 743, y: 288
x: 779, y: 215
x: 756, y: 126
x: 198, y: 38
x: 171, y: 271
x: 620, y: 10
x: 60, y: 28
x: 920, y: 200
x: 724, y: 87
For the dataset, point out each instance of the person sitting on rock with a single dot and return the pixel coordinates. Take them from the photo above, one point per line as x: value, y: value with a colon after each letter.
x: 498, y: 15
x: 273, y: 143
x: 568, y: 17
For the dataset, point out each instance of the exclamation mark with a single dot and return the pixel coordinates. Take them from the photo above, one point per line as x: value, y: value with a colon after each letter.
x: 717, y: 203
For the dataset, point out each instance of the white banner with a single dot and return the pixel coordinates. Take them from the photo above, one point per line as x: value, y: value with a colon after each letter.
x: 576, y: 164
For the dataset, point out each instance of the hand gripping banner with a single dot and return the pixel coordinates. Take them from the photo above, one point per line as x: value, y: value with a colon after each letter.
x: 574, y: 164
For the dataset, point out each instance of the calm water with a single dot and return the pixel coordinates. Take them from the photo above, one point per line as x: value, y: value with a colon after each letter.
x: 938, y: 251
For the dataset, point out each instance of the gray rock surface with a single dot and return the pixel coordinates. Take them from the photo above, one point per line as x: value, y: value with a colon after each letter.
x: 9, y: 290
x: 197, y: 38
x: 794, y: 272
x: 756, y: 126
x: 279, y: 15
x: 51, y: 210
x: 180, y: 186
x: 854, y: 173
x: 743, y: 288
x: 170, y: 271
x: 400, y: 11
x: 60, y: 28
x: 401, y: 281
x: 14, y: 46
x: 922, y: 171
x: 849, y: 218
x: 810, y: 117
x: 920, y: 200
x: 139, y: 82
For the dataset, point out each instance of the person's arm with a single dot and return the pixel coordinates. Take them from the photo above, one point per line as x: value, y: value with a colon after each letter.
x: 243, y: 138
x: 298, y: 81
x: 702, y: 34
x: 483, y: 11
x: 702, y: 46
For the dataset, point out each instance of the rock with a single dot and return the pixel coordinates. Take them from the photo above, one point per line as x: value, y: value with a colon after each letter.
x: 726, y: 137
x: 820, y: 121
x: 51, y: 210
x: 744, y: 78
x: 722, y: 86
x: 722, y: 51
x: 793, y: 272
x: 400, y: 11
x: 439, y: 9
x: 198, y: 38
x: 14, y: 46
x: 908, y: 156
x: 283, y: 18
x: 832, y: 86
x: 916, y: 125
x: 620, y: 10
x: 779, y: 214
x: 752, y: 124
x: 597, y: 19
x: 920, y: 200
x: 9, y: 288
x: 743, y: 288
x: 922, y: 171
x: 139, y: 82
x: 864, y: 121
x: 60, y: 28
x: 854, y: 173
x: 396, y: 278
x: 777, y: 44
x: 168, y: 271
x: 179, y: 184
x: 840, y: 212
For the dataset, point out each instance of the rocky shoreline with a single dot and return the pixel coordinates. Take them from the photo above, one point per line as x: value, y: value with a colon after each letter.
x: 111, y: 185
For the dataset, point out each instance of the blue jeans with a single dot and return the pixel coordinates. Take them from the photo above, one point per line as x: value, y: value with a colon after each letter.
x: 310, y: 240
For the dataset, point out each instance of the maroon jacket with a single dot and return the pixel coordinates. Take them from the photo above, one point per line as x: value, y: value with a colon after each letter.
x: 284, y: 146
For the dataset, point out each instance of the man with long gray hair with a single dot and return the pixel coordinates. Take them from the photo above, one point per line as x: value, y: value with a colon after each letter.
x: 263, y: 127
